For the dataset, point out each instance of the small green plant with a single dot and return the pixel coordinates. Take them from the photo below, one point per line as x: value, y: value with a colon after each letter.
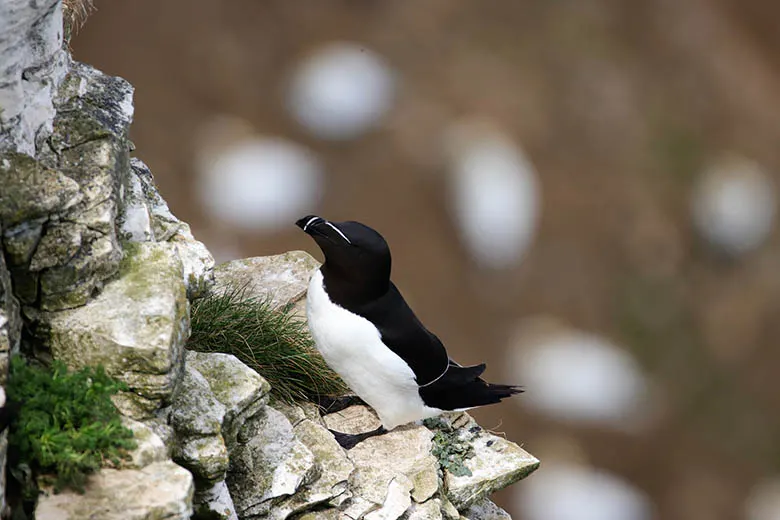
x: 66, y: 424
x: 273, y: 342
x: 449, y: 448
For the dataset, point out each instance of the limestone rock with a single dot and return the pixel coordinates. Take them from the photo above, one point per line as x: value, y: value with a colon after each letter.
x: 71, y: 285
x: 497, y: 463
x: 134, y: 219
x: 90, y: 106
x: 397, y: 500
x: 196, y: 416
x: 325, y: 514
x: 157, y: 491
x: 267, y: 464
x: 32, y: 63
x: 296, y: 413
x: 352, y: 420
x: 164, y: 223
x: 206, y: 457
x: 391, y: 469
x: 197, y: 262
x: 281, y: 279
x: 448, y: 510
x: 89, y: 145
x: 430, y: 510
x: 10, y: 322
x: 485, y: 510
x: 195, y: 410
x: 241, y: 390
x: 135, y: 328
x: 216, y: 500
x: 31, y: 191
x: 332, y: 470
x: 150, y: 447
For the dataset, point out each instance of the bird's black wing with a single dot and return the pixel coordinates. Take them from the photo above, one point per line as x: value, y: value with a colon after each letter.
x: 403, y: 333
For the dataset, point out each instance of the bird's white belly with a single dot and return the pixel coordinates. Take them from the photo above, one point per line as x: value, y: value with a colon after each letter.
x: 353, y: 348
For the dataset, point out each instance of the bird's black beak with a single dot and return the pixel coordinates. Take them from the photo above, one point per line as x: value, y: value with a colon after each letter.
x: 306, y: 223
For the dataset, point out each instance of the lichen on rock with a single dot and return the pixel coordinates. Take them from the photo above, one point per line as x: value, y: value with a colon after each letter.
x: 156, y: 491
x: 279, y: 279
x: 136, y: 328
x: 141, y: 200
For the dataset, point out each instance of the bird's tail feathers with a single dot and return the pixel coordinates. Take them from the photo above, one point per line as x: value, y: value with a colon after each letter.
x: 461, y: 387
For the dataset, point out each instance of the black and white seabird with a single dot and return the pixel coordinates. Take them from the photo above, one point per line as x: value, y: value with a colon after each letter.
x: 367, y: 333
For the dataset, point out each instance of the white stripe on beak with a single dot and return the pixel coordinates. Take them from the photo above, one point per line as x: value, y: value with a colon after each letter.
x: 309, y: 222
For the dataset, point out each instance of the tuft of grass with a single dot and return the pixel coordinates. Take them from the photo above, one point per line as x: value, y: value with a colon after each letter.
x: 447, y: 446
x: 74, y: 15
x: 65, y: 424
x: 273, y: 342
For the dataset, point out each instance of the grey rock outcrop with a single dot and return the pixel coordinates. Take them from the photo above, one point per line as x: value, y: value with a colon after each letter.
x: 59, y: 208
x: 135, y: 328
x: 216, y: 397
x: 485, y: 510
x: 32, y: 64
x: 279, y: 279
x: 146, y: 217
x: 159, y: 490
x: 496, y: 463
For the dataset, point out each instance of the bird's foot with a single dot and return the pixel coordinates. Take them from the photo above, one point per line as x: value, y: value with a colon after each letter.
x: 329, y: 404
x: 349, y: 441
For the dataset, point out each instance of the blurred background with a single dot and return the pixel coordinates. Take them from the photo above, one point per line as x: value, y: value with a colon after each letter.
x: 581, y: 193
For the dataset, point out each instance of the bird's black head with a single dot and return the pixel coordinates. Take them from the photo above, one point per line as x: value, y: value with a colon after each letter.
x: 354, y: 252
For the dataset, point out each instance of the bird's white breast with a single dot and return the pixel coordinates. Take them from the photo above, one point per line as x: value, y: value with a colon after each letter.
x: 352, y: 346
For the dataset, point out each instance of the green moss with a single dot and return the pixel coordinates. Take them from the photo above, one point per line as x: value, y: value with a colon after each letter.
x: 204, y: 513
x: 134, y: 268
x: 273, y: 342
x: 66, y: 425
x: 449, y: 448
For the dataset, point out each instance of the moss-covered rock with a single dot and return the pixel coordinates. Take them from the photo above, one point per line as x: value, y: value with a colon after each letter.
x: 267, y: 464
x: 485, y: 510
x: 10, y: 321
x: 31, y: 191
x: 206, y: 457
x: 496, y: 464
x: 430, y: 510
x: 136, y: 328
x: 332, y: 471
x: 162, y: 490
x: 149, y: 446
x: 197, y: 416
x: 389, y: 463
x: 195, y: 411
x: 241, y: 391
x: 141, y: 199
x: 282, y: 279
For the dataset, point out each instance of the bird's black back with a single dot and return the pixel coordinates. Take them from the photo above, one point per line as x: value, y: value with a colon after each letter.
x: 400, y: 329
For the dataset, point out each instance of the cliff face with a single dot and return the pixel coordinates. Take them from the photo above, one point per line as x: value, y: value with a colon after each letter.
x: 99, y: 271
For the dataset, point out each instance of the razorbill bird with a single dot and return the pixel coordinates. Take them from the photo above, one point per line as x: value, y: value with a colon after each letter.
x: 367, y: 333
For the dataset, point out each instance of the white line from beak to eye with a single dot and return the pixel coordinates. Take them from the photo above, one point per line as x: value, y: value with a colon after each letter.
x: 337, y: 230
x: 309, y: 222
